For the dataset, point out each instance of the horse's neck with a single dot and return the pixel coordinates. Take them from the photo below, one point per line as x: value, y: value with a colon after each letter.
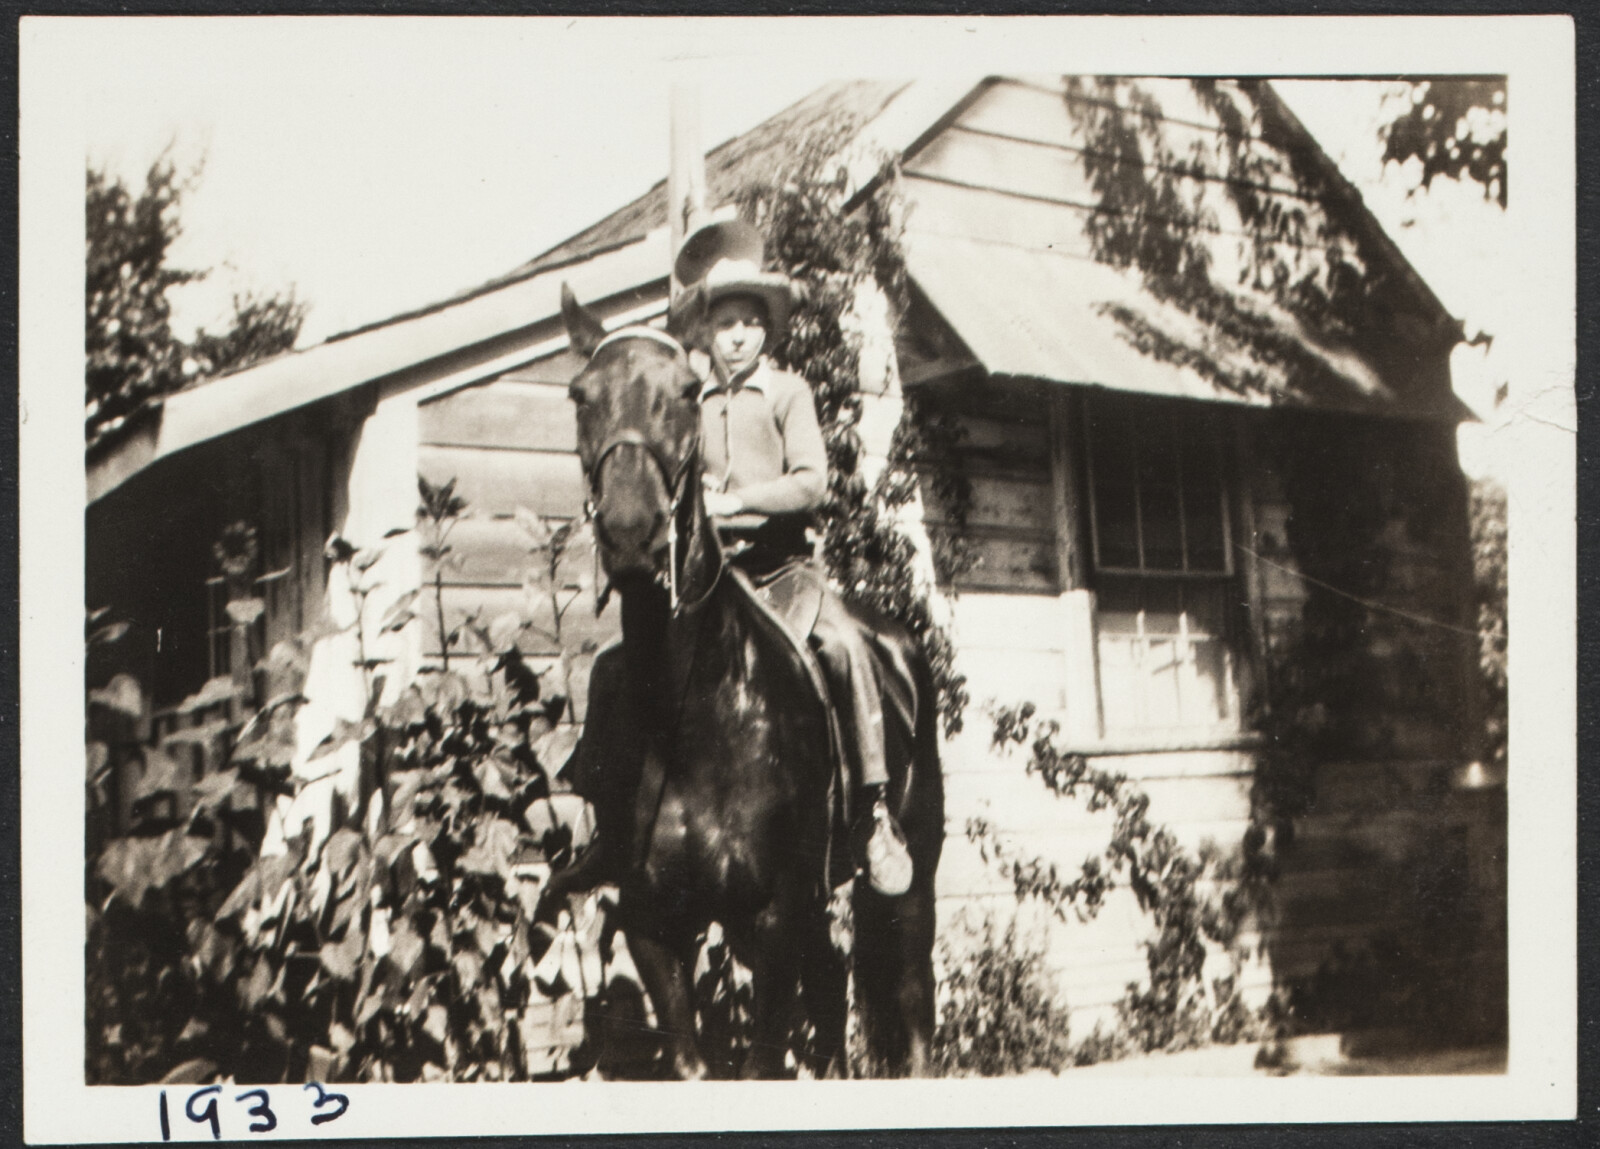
x: 699, y: 556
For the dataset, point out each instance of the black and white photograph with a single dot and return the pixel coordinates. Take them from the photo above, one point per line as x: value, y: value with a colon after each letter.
x: 827, y: 553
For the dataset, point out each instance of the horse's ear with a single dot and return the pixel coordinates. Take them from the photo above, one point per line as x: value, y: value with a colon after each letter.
x: 584, y: 329
x: 687, y: 318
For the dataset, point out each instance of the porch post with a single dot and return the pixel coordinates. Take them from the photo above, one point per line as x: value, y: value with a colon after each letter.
x: 1082, y: 719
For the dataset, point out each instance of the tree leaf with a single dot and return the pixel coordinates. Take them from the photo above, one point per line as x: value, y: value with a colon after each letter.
x: 342, y: 850
x: 191, y: 1072
x: 122, y: 694
x: 342, y: 958
x: 495, y: 842
x: 245, y: 611
x: 400, y: 606
x: 106, y: 635
x: 535, y: 526
x: 505, y: 629
x: 405, y: 947
x: 491, y: 777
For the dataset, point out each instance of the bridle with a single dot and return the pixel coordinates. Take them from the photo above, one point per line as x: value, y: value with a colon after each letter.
x: 674, y: 478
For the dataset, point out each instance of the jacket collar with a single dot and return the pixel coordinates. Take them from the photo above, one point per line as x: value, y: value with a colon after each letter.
x: 754, y: 378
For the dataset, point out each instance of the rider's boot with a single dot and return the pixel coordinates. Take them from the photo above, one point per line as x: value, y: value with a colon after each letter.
x: 888, y: 860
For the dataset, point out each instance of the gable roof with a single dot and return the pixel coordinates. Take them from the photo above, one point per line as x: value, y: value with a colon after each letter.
x: 1050, y: 331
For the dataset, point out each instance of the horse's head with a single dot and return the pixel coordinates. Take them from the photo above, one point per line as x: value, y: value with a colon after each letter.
x: 638, y: 427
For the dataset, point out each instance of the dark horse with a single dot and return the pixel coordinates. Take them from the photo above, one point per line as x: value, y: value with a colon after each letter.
x: 707, y: 749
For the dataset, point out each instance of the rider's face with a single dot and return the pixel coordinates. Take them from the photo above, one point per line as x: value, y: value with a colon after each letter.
x: 738, y: 332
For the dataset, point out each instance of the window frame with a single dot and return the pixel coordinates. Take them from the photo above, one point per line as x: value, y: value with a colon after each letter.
x: 1228, y: 569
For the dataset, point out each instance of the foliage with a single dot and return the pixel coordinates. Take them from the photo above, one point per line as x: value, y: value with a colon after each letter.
x: 1157, y: 212
x: 832, y: 253
x: 397, y: 947
x: 1489, y: 578
x: 132, y: 355
x: 997, y: 1010
x: 1455, y: 127
x: 1177, y: 1008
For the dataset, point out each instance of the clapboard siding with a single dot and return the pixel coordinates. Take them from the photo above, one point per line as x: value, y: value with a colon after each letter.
x: 1019, y: 504
x: 532, y: 416
x: 498, y: 482
x: 977, y: 212
x: 1034, y: 112
x: 499, y: 551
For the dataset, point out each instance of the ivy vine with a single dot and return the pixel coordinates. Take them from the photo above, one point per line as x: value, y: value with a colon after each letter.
x: 830, y: 254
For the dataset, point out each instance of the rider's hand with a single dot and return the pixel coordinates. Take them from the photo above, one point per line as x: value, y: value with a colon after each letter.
x: 723, y: 504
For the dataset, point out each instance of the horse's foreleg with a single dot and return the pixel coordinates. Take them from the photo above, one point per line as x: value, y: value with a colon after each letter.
x: 824, y: 985
x: 916, y: 990
x: 774, y: 975
x: 667, y: 982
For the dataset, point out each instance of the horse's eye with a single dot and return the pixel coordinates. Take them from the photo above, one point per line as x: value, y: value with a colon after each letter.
x: 576, y: 394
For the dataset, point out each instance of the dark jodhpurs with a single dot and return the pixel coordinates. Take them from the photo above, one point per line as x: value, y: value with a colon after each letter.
x: 847, y: 664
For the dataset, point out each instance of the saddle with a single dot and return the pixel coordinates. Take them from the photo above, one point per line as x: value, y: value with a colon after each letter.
x: 786, y: 603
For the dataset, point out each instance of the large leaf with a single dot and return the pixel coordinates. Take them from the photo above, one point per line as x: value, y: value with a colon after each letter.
x: 122, y: 694
x: 535, y: 526
x: 191, y: 1072
x: 243, y: 896
x: 215, y: 692
x: 505, y: 629
x: 520, y: 678
x: 245, y: 611
x: 134, y: 866
x: 405, y: 947
x: 495, y: 842
x: 341, y: 851
x: 341, y: 959
x: 399, y: 613
x: 491, y: 776
x: 109, y: 634
x: 344, y: 732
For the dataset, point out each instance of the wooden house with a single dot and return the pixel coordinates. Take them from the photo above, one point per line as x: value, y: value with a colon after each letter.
x: 1225, y: 547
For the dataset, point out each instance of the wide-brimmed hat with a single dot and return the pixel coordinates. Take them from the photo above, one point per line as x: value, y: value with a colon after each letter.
x: 724, y: 258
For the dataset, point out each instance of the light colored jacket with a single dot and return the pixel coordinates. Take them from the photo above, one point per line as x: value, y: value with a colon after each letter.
x: 760, y: 438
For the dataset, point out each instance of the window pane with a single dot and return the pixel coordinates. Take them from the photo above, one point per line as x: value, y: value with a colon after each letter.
x: 1163, y: 542
x: 1202, y: 509
x: 1161, y: 684
x: 1158, y: 448
x: 1121, y: 690
x: 1164, y: 660
x: 1117, y: 525
x: 1204, y: 684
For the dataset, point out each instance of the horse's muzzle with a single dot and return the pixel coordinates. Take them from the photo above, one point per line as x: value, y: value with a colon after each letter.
x: 631, y: 545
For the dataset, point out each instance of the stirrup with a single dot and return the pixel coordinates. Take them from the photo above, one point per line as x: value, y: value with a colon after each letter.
x: 889, y: 866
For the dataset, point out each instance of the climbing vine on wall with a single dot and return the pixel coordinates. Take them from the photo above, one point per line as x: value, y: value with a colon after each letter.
x: 1199, y: 901
x: 1166, y: 211
x: 832, y: 254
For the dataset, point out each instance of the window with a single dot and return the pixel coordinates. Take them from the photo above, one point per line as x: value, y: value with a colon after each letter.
x: 1157, y: 500
x: 1159, y: 524
x: 1164, y: 657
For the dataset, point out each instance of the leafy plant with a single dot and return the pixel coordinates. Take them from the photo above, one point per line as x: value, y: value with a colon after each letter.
x: 1176, y: 1008
x: 397, y: 948
x: 831, y: 253
x: 1489, y: 579
x: 1455, y: 127
x: 998, y: 1013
